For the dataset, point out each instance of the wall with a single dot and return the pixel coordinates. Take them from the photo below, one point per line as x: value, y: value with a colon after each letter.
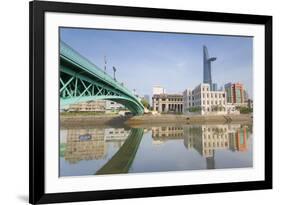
x: 14, y: 100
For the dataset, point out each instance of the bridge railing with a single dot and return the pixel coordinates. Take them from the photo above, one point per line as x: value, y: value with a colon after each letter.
x: 88, y: 66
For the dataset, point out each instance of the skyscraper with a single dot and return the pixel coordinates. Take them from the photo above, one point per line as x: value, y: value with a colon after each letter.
x: 207, y: 72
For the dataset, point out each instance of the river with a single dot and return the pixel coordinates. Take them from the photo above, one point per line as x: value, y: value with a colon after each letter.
x: 156, y: 148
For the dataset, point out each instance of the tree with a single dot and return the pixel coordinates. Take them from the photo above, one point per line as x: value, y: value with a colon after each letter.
x: 145, y: 103
x: 194, y: 109
x: 244, y: 110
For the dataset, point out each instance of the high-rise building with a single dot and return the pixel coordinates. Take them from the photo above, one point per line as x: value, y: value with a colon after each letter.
x: 207, y: 70
x: 215, y: 87
x: 234, y: 93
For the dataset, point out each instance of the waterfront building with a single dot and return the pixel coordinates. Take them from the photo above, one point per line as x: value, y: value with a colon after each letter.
x: 207, y: 69
x: 235, y: 93
x: 250, y: 103
x: 90, y: 106
x: 167, y: 103
x: 246, y: 96
x: 204, y: 101
x: 96, y: 106
x: 158, y: 90
x: 113, y: 106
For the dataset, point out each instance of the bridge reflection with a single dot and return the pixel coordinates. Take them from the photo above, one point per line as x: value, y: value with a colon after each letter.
x: 96, y: 144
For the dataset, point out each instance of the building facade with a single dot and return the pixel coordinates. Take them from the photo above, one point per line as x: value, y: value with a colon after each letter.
x: 90, y: 106
x: 113, y: 106
x: 203, y: 100
x: 96, y: 106
x: 167, y: 103
x: 235, y: 93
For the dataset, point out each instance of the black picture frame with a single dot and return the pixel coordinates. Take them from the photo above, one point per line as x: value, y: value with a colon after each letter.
x: 37, y: 11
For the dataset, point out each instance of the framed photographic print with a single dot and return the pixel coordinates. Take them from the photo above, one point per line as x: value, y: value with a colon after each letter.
x: 140, y: 102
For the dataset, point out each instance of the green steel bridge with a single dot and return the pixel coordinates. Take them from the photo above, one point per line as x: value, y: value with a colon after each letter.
x: 81, y: 81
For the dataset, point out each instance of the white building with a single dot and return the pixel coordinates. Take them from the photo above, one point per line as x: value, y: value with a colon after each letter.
x: 113, y: 106
x: 96, y: 106
x: 90, y: 106
x: 204, y: 101
x: 158, y: 90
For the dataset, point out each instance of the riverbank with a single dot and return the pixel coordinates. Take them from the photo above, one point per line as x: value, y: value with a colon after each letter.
x: 195, y: 119
x: 117, y: 120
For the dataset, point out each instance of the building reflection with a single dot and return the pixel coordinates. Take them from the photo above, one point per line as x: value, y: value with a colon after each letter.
x: 90, y: 144
x: 206, y: 139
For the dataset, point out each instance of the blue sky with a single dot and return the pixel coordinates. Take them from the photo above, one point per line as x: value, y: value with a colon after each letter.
x: 174, y: 61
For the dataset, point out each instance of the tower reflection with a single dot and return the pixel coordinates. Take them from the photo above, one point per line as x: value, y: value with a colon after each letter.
x: 206, y: 139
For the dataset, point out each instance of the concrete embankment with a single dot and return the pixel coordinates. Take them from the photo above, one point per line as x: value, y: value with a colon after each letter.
x: 88, y: 120
x: 195, y: 119
x: 116, y: 120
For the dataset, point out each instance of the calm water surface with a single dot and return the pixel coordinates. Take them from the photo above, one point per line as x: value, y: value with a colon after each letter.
x: 96, y: 150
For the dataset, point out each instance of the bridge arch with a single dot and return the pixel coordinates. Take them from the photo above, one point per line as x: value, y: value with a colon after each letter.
x: 82, y: 81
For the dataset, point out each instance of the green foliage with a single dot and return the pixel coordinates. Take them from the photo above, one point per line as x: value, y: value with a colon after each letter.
x: 218, y: 108
x: 194, y: 109
x: 244, y: 110
x: 145, y: 103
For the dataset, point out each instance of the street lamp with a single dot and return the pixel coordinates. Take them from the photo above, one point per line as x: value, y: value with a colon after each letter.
x: 105, y: 64
x: 114, y: 71
x: 134, y: 91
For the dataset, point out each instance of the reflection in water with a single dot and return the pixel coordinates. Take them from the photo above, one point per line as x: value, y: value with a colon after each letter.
x: 90, y: 144
x: 162, y: 148
x: 205, y: 139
